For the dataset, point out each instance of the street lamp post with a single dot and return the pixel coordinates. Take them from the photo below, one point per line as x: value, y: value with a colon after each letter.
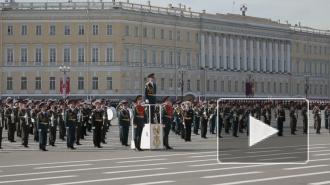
x: 306, y: 85
x: 64, y: 70
x: 182, y: 71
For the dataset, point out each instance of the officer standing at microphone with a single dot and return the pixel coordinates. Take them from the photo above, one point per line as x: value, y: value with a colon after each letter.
x: 150, y: 95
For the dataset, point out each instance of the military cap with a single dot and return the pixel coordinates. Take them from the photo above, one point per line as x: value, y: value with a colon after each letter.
x: 166, y: 98
x: 37, y: 102
x: 123, y: 102
x: 97, y: 102
x: 9, y: 100
x: 71, y: 102
x: 152, y: 75
x: 204, y: 102
x: 42, y: 104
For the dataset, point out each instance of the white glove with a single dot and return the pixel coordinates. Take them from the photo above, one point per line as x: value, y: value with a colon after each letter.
x: 26, y: 116
x: 12, y: 115
x: 147, y: 101
x: 39, y: 130
x: 93, y: 128
x: 78, y: 114
x: 67, y: 127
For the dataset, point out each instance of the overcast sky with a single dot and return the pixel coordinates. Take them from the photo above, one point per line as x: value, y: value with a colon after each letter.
x: 311, y: 13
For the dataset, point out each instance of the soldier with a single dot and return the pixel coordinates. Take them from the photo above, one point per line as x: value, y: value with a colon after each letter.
x: 157, y: 111
x: 280, y: 119
x: 204, y: 120
x: 70, y: 124
x: 317, y: 118
x: 53, y: 122
x: 177, y: 118
x: 247, y: 115
x: 167, y: 120
x: 2, y: 121
x: 241, y: 124
x: 25, y: 121
x: 18, y: 105
x: 212, y: 117
x: 34, y: 113
x: 305, y: 118
x: 43, y: 126
x: 234, y: 120
x: 267, y: 113
x: 329, y: 116
x: 326, y: 116
x: 197, y: 115
x: 124, y: 122
x: 60, y: 119
x: 78, y: 110
x: 219, y: 118
x: 188, y: 117
x: 258, y: 111
x: 97, y: 123
x: 105, y: 122
x: 150, y: 95
x: 226, y: 116
x: 182, y: 130
x: 293, y: 118
x: 11, y: 119
x: 138, y: 122
x: 85, y: 124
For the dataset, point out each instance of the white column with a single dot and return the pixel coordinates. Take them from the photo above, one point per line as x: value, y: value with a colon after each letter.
x: 217, y: 52
x: 251, y: 55
x: 264, y: 55
x: 276, y: 56
x: 258, y: 55
x: 203, y: 50
x: 288, y: 59
x: 231, y: 53
x: 270, y: 56
x: 224, y: 52
x: 238, y: 53
x: 282, y: 57
x: 244, y: 54
x: 210, y: 51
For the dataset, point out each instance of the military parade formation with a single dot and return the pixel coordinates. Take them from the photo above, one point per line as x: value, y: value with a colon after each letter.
x: 75, y: 119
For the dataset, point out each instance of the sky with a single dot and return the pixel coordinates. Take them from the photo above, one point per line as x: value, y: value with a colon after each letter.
x: 311, y: 13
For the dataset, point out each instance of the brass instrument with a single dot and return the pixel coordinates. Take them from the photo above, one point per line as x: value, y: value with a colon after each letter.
x: 26, y: 118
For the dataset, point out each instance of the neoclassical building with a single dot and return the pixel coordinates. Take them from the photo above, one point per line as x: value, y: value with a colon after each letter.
x: 111, y: 47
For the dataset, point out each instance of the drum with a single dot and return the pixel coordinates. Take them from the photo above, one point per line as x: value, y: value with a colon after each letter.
x: 112, y: 113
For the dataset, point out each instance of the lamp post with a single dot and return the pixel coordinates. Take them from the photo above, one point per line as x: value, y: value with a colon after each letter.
x: 306, y: 85
x: 64, y: 70
x: 182, y: 71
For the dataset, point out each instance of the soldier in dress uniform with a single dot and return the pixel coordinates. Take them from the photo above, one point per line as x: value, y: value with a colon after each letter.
x: 53, y: 122
x: 258, y: 111
x: 34, y: 113
x: 18, y: 106
x: 293, y: 118
x: 329, y: 116
x: 326, y: 116
x: 124, y: 122
x: 247, y: 115
x: 105, y: 122
x: 234, y: 120
x: 60, y: 119
x: 197, y: 116
x: 70, y: 124
x: 280, y: 119
x: 43, y: 126
x: 139, y: 117
x: 188, y: 117
x: 167, y: 113
x: 267, y: 113
x: 204, y: 119
x: 317, y: 118
x: 11, y: 119
x: 150, y: 95
x: 219, y: 118
x: 85, y: 113
x: 78, y: 132
x: 25, y: 121
x: 177, y: 118
x: 2, y: 121
x: 97, y: 123
x: 212, y: 117
x: 241, y: 116
x: 226, y: 116
x: 157, y: 111
x: 304, y: 112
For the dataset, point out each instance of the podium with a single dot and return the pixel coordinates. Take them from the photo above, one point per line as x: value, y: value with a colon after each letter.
x: 152, y: 134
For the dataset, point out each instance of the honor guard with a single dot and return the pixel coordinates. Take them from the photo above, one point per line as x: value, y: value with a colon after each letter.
x: 124, y: 122
x: 138, y: 122
x: 197, y: 116
x: 317, y: 118
x: 204, y: 119
x: 280, y: 118
x: 2, y: 121
x: 43, y: 126
x: 234, y: 120
x: 34, y: 113
x: 25, y: 121
x: 97, y: 123
x: 267, y: 113
x: 53, y: 122
x: 150, y: 95
x: 167, y: 120
x: 212, y: 117
x: 60, y: 118
x: 71, y: 124
x: 293, y: 118
x: 11, y: 119
x: 188, y: 117
x: 304, y: 112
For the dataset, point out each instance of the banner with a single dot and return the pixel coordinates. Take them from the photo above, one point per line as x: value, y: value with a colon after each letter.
x: 67, y: 83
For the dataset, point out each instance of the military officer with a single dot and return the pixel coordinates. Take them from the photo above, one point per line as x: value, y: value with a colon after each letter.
x: 150, y: 95
x: 138, y: 122
x: 60, y: 119
x: 85, y: 113
x: 78, y: 110
x: 293, y: 118
x: 197, y: 116
x: 17, y: 106
x: 71, y: 124
x: 124, y: 122
x: 280, y: 119
x: 219, y: 118
x: 43, y: 126
x: 212, y: 117
x: 267, y: 113
x: 11, y: 119
x: 167, y: 117
x: 2, y: 121
x: 240, y: 112
x: 326, y: 116
x: 234, y: 120
x: 53, y: 122
x: 204, y: 119
x: 329, y: 117
x: 34, y: 113
x: 188, y: 117
x: 317, y: 118
x: 304, y: 112
x: 97, y: 123
x: 226, y: 116
x: 25, y: 121
x: 105, y: 122
x: 177, y: 118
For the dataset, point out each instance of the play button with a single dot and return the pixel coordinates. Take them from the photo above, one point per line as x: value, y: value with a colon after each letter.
x: 259, y: 131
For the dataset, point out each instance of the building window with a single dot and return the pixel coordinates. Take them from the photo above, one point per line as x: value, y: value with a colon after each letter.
x: 188, y: 37
x: 236, y: 86
x: 198, y: 85
x: 67, y: 54
x: 80, y: 83
x: 268, y: 87
x: 305, y: 48
x: 178, y: 35
x: 109, y: 83
x: 38, y: 83
x: 95, y: 83
x: 297, y: 47
x: 9, y: 83
x: 10, y: 54
x: 325, y: 89
x: 188, y: 85
x: 215, y: 85
x: 298, y: 88
x: 136, y: 83
x: 95, y: 29
x: 315, y: 89
x: 321, y: 90
x: 326, y: 69
x: 136, y: 55
x: 255, y: 86
x: 286, y: 87
x: 154, y: 33
x: 38, y: 30
x: 38, y: 56
x: 109, y: 29
x: 162, y: 84
x: 52, y: 83
x: 281, y: 89
x: 178, y: 58
x: 188, y: 59
x: 23, y: 83
x: 136, y: 31
x: 162, y: 57
x: 145, y: 32
x: 127, y: 54
x: 198, y: 60
x: 52, y: 30
x: 310, y: 89
x: 170, y: 83
x: 275, y: 89
x: 109, y: 54
x: 95, y: 54
x: 298, y: 66
x: 170, y: 57
x: 154, y: 56
x: 52, y: 54
x: 208, y: 85
x: 81, y: 54
x: 315, y: 50
x: 170, y: 35
x: 320, y: 50
x: 243, y: 86
x: 24, y: 55
x: 127, y: 31
x: 24, y: 30
x: 197, y: 37
x: 321, y: 69
x: 66, y: 29
x: 262, y: 87
x: 81, y: 30
x: 10, y: 30
x: 127, y: 84
x: 222, y: 86
x: 229, y: 86
x: 162, y: 34
x: 145, y: 55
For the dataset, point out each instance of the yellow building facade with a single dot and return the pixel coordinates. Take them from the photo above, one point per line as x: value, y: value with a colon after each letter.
x: 111, y: 47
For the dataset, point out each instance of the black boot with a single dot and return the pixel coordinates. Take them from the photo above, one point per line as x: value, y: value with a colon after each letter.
x: 136, y: 145
x: 139, y: 144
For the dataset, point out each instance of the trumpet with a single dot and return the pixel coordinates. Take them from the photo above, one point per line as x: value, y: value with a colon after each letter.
x: 26, y: 118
